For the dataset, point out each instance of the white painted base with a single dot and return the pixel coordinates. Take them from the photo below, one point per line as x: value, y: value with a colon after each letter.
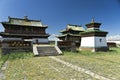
x: 93, y: 42
x: 11, y: 39
x: 35, y: 50
x: 92, y: 49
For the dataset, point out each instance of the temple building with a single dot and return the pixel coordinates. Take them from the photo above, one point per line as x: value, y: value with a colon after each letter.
x: 71, y: 33
x: 94, y: 39
x: 71, y: 36
x: 24, y: 29
x: 22, y: 34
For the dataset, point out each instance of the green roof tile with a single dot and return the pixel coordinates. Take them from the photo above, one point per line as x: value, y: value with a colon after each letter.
x: 73, y: 27
x: 25, y: 22
x: 69, y: 34
x: 91, y: 31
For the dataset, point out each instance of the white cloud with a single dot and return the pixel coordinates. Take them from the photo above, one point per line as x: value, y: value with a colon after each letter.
x: 114, y: 38
x: 53, y: 38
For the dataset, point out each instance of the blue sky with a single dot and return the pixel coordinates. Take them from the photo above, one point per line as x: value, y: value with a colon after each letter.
x: 58, y: 13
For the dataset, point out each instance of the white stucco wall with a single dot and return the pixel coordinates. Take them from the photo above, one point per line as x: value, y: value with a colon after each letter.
x: 40, y: 40
x: 87, y: 42
x: 10, y: 39
x: 100, y: 42
x: 93, y: 42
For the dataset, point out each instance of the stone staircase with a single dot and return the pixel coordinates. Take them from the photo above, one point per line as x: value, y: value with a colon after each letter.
x: 46, y: 50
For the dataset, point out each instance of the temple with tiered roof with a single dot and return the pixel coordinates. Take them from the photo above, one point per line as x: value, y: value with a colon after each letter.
x: 71, y: 33
x: 23, y: 34
x: 94, y: 39
x: 71, y: 37
x: 24, y: 29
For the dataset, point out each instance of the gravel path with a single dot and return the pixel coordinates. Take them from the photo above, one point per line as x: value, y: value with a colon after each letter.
x: 2, y: 76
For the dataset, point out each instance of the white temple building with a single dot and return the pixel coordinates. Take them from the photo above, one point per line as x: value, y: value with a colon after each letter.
x: 93, y: 39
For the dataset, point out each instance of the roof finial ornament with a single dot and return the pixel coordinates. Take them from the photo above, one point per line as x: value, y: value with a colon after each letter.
x: 9, y: 17
x: 26, y: 17
x: 92, y: 20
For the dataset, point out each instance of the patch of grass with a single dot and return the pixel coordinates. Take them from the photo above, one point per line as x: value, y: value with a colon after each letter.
x: 103, y: 63
x: 42, y: 68
x: 23, y: 65
x: 3, y: 59
x: 14, y: 56
x: 20, y: 55
x: 112, y: 51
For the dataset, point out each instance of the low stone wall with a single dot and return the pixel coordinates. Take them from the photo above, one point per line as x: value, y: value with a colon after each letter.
x: 67, y: 46
x: 102, y: 49
x: 111, y: 44
x: 15, y: 46
x: 16, y: 49
x: 94, y: 49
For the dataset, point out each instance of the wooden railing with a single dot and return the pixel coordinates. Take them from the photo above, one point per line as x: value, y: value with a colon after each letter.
x: 66, y: 43
x: 19, y: 44
x: 24, y: 32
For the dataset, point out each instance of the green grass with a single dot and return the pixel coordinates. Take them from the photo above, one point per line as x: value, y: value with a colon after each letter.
x: 14, y: 56
x: 3, y: 59
x: 20, y: 55
x: 25, y: 66
x: 103, y: 63
x: 41, y: 68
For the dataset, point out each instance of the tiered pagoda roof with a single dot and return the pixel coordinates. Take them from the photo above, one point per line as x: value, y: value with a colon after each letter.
x: 24, y: 22
x: 93, y: 29
x: 73, y: 28
x: 24, y: 27
x: 71, y: 33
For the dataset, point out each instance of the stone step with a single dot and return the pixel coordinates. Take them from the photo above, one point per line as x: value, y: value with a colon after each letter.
x: 47, y: 51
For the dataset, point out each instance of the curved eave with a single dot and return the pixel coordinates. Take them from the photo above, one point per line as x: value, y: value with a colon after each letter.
x: 6, y: 23
x: 93, y: 23
x: 61, y: 36
x: 74, y: 35
x: 63, y: 31
x: 7, y: 34
x: 72, y: 30
x: 77, y: 30
x: 23, y: 19
x: 69, y: 35
x: 94, y: 33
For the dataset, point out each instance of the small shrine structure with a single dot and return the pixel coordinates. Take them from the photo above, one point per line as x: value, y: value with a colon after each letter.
x: 94, y: 39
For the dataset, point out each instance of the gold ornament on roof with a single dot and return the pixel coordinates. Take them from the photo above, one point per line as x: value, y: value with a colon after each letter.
x: 93, y: 21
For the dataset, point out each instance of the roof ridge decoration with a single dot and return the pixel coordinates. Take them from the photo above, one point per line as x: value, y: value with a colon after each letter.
x: 25, y: 17
x: 74, y: 25
x: 24, y: 22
